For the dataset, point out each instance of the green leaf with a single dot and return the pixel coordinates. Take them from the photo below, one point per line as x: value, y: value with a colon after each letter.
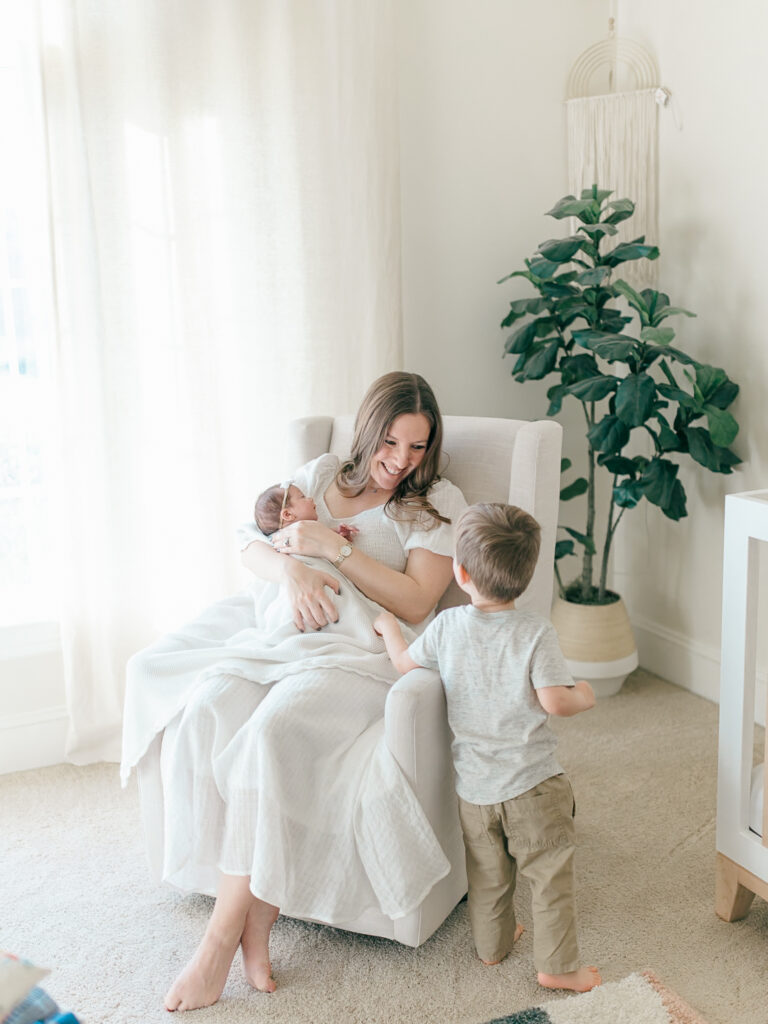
x: 675, y: 507
x: 612, y: 320
x: 565, y: 464
x: 555, y: 290
x: 556, y: 394
x: 595, y: 276
x: 662, y: 488
x: 541, y: 360
x: 676, y: 394
x: 615, y: 351
x: 625, y: 251
x: 582, y: 538
x: 622, y: 209
x: 680, y: 356
x: 724, y: 395
x: 609, y: 435
x: 561, y: 250
x: 723, y: 428
x: 579, y: 486
x: 668, y: 439
x: 569, y: 206
x: 709, y: 379
x: 522, y: 339
x: 592, y: 389
x: 621, y: 287
x: 628, y: 493
x: 657, y: 335
x: 634, y: 399
x: 702, y: 449
x: 669, y: 311
x: 563, y: 548
x: 617, y: 464
x: 520, y: 307
x: 542, y: 269
x: 598, y: 231
x: 578, y: 367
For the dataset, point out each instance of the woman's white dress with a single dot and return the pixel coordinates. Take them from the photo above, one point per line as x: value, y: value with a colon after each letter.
x: 272, y: 757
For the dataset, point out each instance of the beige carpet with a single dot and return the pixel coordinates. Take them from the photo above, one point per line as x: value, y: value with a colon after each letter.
x: 75, y: 895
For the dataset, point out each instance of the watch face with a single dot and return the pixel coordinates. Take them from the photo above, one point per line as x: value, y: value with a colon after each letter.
x: 346, y: 550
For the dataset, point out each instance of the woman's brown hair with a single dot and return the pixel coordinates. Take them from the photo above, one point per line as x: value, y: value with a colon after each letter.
x: 395, y: 394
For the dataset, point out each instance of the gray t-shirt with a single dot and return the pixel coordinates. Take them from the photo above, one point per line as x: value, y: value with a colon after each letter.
x: 490, y: 664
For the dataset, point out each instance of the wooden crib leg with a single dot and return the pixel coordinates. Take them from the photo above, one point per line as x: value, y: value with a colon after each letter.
x: 732, y: 899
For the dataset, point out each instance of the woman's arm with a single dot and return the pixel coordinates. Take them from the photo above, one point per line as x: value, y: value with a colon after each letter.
x: 313, y: 606
x: 411, y: 595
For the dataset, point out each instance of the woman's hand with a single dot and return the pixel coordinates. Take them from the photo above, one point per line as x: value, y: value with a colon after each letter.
x: 313, y: 606
x: 307, y: 537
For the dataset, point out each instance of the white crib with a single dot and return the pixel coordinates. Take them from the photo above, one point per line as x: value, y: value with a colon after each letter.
x: 742, y: 810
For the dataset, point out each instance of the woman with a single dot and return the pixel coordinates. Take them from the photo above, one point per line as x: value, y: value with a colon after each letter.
x: 277, y: 784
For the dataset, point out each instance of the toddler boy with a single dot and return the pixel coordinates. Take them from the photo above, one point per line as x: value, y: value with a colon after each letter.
x: 503, y: 674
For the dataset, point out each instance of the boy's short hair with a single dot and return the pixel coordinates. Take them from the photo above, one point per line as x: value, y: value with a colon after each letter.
x: 498, y: 545
x: 269, y: 505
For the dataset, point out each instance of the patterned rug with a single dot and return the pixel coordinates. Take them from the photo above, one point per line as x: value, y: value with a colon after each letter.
x: 638, y: 999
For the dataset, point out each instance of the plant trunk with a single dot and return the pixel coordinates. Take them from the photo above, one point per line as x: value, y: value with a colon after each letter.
x: 607, y: 548
x: 586, y: 572
x: 586, y: 569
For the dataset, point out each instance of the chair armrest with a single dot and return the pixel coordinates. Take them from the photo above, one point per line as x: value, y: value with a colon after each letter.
x: 418, y: 736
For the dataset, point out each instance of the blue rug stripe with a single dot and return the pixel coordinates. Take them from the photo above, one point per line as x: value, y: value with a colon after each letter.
x: 533, y: 1015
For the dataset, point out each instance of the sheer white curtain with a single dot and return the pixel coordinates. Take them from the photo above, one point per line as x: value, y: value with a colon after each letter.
x: 225, y: 225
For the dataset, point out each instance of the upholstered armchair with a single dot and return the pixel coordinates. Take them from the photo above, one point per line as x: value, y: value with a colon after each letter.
x: 515, y: 461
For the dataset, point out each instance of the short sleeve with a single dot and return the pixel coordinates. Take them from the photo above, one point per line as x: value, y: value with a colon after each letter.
x: 247, y: 533
x: 548, y: 666
x: 424, y: 648
x: 448, y: 500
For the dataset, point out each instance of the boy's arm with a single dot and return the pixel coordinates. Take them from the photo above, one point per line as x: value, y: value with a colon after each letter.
x: 387, y: 626
x: 565, y: 701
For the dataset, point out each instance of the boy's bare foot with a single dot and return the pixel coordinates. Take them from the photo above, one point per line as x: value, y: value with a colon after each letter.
x: 518, y: 932
x: 255, y: 945
x: 578, y: 981
x: 202, y: 980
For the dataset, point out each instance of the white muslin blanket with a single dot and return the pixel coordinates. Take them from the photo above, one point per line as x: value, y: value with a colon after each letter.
x: 274, y: 761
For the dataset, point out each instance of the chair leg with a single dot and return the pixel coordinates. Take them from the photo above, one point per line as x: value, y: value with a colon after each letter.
x: 732, y: 899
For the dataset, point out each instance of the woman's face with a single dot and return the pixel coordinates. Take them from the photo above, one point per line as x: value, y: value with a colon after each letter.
x: 402, y: 449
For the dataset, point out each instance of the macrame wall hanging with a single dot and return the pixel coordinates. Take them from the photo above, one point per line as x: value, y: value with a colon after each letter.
x: 612, y: 100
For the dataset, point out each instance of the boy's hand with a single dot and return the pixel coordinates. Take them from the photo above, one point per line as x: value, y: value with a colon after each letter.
x: 382, y: 620
x: 587, y: 693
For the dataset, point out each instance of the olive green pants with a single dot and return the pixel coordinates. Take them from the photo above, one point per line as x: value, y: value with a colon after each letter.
x: 532, y: 833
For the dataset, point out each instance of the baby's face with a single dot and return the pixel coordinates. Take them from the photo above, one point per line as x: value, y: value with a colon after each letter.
x: 301, y: 507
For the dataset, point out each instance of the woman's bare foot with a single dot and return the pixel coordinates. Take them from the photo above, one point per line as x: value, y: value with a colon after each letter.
x: 518, y: 932
x: 255, y: 944
x: 578, y: 981
x: 202, y: 980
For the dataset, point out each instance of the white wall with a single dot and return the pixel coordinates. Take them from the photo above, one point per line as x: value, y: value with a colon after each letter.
x: 482, y: 159
x: 482, y: 137
x: 713, y: 227
x: 483, y: 156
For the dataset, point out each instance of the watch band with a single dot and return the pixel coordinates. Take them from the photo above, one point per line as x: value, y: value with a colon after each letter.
x: 344, y: 552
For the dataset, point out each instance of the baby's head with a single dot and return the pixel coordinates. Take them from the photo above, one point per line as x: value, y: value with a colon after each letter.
x: 498, y: 546
x: 280, y: 505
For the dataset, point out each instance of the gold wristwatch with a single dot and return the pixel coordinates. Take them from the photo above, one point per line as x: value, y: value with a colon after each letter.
x: 344, y: 552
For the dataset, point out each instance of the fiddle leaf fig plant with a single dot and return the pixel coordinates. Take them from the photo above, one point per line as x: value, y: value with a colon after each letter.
x: 610, y: 348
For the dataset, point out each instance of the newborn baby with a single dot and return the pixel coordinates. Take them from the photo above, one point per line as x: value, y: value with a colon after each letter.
x: 283, y: 504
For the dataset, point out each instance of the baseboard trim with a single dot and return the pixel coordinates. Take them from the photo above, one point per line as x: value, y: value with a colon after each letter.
x: 692, y: 665
x: 34, y: 739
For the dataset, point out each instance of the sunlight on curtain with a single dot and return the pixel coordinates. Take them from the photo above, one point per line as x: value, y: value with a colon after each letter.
x: 27, y: 400
x: 225, y: 224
